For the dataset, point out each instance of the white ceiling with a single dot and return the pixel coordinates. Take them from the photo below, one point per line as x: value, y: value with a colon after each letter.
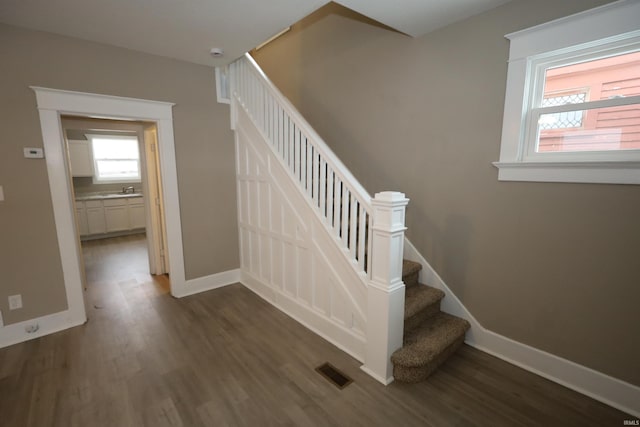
x: 188, y: 29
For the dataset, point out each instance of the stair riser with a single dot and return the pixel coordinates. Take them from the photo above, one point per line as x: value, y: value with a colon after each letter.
x: 421, y: 373
x: 411, y: 279
x: 417, y: 319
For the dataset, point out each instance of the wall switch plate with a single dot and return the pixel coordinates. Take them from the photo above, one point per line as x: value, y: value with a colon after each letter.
x: 1, y: 194
x: 33, y: 153
x: 15, y: 302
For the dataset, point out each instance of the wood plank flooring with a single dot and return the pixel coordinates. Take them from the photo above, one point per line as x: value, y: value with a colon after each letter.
x: 227, y: 358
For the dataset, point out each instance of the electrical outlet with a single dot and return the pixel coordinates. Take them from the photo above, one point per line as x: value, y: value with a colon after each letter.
x: 15, y: 302
x: 33, y: 328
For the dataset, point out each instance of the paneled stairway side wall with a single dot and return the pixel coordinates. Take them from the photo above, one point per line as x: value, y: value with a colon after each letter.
x: 286, y: 255
x: 313, y: 242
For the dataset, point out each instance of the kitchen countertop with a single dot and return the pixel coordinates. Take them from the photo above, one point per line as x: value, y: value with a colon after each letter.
x: 102, y: 196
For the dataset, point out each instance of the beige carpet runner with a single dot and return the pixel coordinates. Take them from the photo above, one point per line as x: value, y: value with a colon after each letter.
x: 430, y: 336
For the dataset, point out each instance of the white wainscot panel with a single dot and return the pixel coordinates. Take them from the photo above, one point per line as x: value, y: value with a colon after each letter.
x: 286, y: 249
x: 265, y: 256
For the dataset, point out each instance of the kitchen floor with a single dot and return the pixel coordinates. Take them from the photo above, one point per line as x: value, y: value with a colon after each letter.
x: 116, y: 259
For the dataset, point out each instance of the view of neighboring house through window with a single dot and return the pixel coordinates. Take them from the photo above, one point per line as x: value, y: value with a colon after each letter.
x: 585, y: 106
x: 115, y: 158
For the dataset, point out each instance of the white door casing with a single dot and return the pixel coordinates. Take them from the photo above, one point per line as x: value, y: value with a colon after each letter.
x: 52, y: 103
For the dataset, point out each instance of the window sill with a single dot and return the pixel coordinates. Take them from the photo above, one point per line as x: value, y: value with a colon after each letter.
x: 585, y: 172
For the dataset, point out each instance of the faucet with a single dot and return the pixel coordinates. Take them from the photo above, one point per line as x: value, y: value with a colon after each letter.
x: 129, y: 189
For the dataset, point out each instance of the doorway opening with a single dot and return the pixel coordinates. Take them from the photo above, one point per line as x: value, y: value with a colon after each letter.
x: 117, y: 189
x: 52, y: 105
x: 117, y: 182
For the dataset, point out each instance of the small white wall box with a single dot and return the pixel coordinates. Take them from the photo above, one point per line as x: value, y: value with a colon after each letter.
x: 33, y: 153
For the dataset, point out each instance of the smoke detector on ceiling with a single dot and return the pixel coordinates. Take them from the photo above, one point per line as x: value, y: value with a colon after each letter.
x: 216, y: 52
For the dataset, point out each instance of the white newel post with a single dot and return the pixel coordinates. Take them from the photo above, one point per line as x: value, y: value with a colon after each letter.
x: 385, y: 305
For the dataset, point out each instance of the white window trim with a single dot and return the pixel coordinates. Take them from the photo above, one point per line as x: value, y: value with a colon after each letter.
x: 610, y: 23
x: 96, y: 178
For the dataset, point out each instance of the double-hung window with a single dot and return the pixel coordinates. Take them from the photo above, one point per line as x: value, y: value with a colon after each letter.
x: 572, y: 107
x: 115, y: 158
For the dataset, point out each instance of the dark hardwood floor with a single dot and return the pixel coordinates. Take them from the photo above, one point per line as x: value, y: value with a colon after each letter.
x: 227, y: 358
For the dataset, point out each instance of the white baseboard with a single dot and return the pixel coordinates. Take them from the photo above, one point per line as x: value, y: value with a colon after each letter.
x: 604, y: 388
x: 382, y: 380
x: 49, y: 324
x: 207, y: 283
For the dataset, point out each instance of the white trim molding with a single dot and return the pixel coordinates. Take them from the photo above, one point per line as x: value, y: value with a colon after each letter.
x: 595, y: 172
x: 41, y: 326
x: 223, y: 94
x: 604, y: 388
x: 52, y: 103
x: 575, y: 38
x: 208, y: 283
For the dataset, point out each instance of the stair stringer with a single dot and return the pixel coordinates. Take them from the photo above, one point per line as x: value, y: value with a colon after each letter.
x: 287, y: 255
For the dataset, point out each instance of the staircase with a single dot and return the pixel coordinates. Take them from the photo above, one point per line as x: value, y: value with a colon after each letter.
x: 301, y: 213
x: 430, y: 336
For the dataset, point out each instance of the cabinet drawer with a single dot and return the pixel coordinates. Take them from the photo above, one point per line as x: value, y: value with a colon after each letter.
x: 136, y: 201
x: 115, y: 202
x: 93, y: 203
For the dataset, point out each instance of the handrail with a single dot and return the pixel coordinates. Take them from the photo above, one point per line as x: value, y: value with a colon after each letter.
x: 322, y: 146
x: 340, y: 199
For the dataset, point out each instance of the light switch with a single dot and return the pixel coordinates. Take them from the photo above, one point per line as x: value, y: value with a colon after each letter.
x: 33, y: 153
x: 15, y: 302
x: 1, y: 194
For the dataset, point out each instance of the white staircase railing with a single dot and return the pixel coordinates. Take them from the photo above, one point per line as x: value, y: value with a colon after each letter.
x: 337, y: 196
x: 370, y: 231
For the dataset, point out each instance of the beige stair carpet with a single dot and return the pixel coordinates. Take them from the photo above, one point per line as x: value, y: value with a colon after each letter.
x: 430, y: 336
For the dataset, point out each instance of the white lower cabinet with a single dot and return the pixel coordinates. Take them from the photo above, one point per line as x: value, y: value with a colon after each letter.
x: 116, y: 214
x: 81, y: 215
x: 110, y: 215
x: 137, y: 218
x: 95, y: 217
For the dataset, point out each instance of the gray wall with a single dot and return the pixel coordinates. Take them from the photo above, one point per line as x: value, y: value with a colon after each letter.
x: 551, y: 265
x: 29, y: 255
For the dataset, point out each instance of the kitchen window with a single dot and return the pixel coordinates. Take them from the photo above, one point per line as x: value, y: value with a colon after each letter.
x: 572, y: 107
x: 115, y: 158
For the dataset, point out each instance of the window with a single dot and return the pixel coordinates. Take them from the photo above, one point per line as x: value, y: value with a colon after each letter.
x: 572, y: 108
x: 565, y: 119
x: 115, y: 158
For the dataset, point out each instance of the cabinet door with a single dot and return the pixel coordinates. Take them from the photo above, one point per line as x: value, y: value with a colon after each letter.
x: 117, y: 218
x: 95, y: 220
x: 80, y: 158
x: 137, y: 217
x: 81, y: 217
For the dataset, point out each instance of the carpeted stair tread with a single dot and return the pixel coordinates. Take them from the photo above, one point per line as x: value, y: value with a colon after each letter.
x: 419, y: 298
x: 425, y: 344
x: 409, y: 267
x: 410, y: 272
